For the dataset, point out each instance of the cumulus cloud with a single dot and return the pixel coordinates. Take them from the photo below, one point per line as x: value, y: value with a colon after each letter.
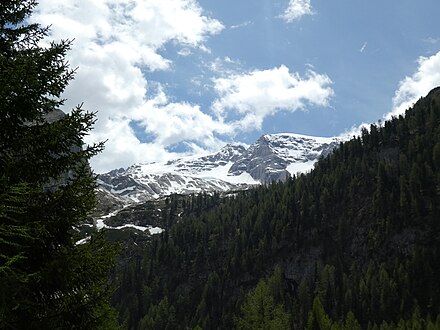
x: 410, y: 90
x: 296, y: 9
x: 419, y: 84
x: 172, y: 122
x: 115, y: 43
x: 258, y: 94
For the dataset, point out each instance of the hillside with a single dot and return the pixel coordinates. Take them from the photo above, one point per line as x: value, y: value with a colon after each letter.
x: 353, y: 244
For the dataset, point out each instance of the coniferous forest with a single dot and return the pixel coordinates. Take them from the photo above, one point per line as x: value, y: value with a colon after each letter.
x: 352, y: 245
x: 355, y: 244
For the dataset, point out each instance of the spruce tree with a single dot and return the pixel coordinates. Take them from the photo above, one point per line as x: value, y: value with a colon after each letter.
x: 46, y: 188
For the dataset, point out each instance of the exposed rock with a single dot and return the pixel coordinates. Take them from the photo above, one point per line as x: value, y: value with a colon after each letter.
x: 268, y: 159
x: 272, y: 158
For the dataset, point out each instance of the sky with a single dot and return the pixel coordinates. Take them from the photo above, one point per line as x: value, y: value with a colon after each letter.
x: 175, y: 77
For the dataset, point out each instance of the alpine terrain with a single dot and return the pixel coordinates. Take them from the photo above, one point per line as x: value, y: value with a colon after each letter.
x: 274, y: 157
x: 122, y: 193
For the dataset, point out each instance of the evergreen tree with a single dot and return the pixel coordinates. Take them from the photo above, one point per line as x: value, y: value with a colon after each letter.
x: 46, y: 188
x: 318, y: 318
x: 351, y: 323
x: 161, y: 316
x: 260, y: 310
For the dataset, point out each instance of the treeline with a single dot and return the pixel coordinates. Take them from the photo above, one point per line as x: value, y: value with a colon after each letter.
x: 353, y: 244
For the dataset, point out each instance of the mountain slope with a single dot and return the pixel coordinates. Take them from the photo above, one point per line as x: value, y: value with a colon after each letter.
x: 235, y: 167
x: 274, y: 157
x: 357, y: 240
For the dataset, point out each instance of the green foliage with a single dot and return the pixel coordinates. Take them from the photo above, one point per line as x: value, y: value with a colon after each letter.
x: 351, y: 323
x: 160, y: 316
x: 46, y: 189
x: 356, y: 240
x: 260, y: 310
x: 318, y: 318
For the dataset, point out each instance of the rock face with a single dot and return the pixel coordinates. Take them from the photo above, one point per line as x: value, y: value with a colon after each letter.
x: 262, y: 163
x: 107, y: 203
x: 272, y: 158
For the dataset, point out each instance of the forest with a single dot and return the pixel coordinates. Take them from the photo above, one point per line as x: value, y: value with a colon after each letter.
x: 352, y: 245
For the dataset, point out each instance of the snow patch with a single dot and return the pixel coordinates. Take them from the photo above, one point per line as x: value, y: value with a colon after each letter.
x: 304, y: 167
x: 83, y: 241
x: 100, y: 224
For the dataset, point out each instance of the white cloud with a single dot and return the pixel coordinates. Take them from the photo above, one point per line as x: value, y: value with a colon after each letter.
x: 419, y: 84
x: 115, y: 43
x: 410, y: 90
x: 296, y: 9
x: 224, y: 66
x: 241, y: 25
x: 258, y: 94
x: 169, y: 123
x: 354, y: 131
x: 172, y: 123
x: 361, y: 50
x: 138, y: 28
x: 184, y: 52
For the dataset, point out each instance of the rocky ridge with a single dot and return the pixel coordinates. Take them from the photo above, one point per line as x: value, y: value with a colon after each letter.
x: 273, y: 157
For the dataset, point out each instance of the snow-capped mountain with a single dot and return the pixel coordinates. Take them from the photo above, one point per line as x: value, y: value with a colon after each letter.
x: 272, y: 158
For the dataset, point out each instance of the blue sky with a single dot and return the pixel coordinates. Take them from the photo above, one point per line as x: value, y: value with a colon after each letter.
x: 184, y: 76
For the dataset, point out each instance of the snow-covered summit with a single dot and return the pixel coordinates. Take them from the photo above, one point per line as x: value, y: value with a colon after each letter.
x: 207, y: 163
x: 273, y: 157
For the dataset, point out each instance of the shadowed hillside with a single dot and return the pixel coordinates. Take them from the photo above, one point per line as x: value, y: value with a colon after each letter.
x: 356, y: 244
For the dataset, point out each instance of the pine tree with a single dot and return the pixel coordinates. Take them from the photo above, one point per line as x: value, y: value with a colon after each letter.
x: 318, y: 318
x: 350, y: 322
x: 46, y: 188
x: 260, y: 310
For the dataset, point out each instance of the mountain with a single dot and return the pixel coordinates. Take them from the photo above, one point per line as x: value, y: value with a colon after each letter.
x: 274, y: 157
x: 354, y: 244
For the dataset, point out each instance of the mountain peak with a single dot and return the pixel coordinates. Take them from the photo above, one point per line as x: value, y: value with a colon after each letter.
x: 273, y: 157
